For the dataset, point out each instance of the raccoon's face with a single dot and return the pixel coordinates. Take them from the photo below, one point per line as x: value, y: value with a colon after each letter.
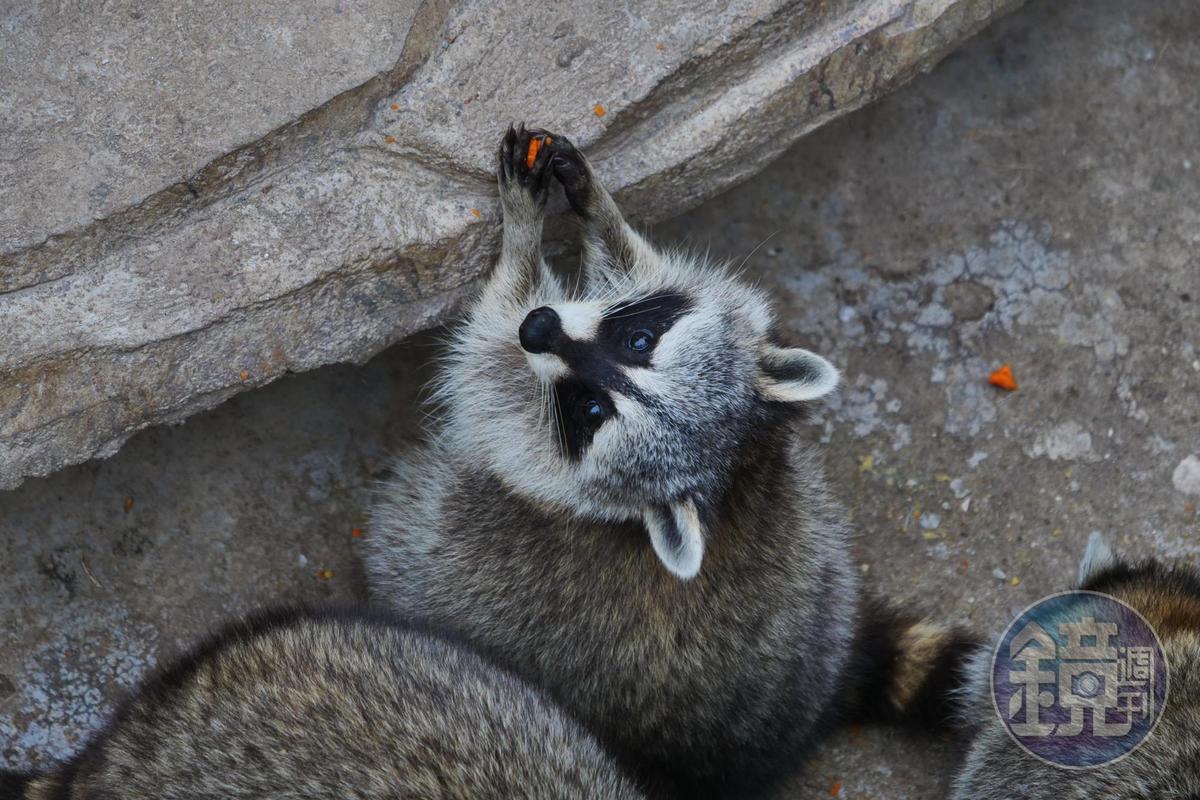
x: 632, y: 399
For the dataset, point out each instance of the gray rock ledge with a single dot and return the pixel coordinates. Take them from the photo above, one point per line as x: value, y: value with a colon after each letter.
x: 323, y: 205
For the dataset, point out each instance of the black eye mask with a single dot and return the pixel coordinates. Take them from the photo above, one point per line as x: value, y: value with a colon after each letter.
x: 580, y: 411
x: 626, y: 336
x: 640, y: 322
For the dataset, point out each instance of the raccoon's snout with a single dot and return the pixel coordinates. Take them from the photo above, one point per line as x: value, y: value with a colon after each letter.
x: 540, y: 330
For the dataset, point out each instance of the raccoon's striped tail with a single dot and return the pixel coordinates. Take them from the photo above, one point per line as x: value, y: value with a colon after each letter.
x: 18, y: 786
x: 905, y: 668
x: 12, y: 785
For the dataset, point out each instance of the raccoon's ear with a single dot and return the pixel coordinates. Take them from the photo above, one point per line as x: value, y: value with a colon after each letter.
x: 677, y: 536
x: 1096, y: 559
x: 791, y: 374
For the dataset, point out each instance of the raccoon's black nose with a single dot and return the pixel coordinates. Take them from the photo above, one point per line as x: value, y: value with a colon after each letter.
x: 540, y: 330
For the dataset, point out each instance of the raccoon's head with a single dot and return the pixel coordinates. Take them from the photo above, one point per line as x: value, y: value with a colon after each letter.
x: 629, y: 398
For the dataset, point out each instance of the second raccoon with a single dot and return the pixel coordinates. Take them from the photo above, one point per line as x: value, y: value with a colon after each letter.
x: 1166, y: 766
x: 295, y: 705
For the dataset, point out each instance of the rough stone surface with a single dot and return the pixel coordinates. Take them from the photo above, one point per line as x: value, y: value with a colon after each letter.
x: 104, y: 105
x: 220, y: 257
x: 1052, y: 161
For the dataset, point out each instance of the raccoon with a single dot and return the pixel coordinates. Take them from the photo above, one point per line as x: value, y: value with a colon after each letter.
x: 302, y: 704
x: 1167, y: 763
x: 619, y: 503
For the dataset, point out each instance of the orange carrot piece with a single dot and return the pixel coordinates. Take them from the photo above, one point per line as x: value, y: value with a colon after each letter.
x: 1003, y: 378
x: 535, y: 144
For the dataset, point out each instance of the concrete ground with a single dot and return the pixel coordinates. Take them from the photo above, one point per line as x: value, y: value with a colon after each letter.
x: 1032, y: 201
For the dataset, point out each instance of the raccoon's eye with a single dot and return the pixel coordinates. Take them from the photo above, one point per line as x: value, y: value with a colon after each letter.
x: 640, y: 340
x: 593, y: 409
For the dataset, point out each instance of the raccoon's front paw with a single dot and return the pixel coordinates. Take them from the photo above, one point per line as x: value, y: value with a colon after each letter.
x: 524, y: 181
x: 573, y: 172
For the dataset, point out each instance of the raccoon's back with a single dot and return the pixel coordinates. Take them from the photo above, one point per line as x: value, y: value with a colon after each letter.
x: 1166, y: 766
x: 303, y: 706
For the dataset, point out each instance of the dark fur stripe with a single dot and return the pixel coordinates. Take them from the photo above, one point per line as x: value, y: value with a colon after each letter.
x: 882, y: 659
x: 938, y: 704
x: 1121, y: 575
x: 1167, y: 596
x: 12, y: 785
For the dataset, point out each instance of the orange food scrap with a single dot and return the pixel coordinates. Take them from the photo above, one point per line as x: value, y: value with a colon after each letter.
x: 356, y: 533
x: 128, y: 504
x: 324, y: 574
x: 599, y: 110
x: 1003, y: 378
x: 244, y: 375
x: 836, y: 789
x: 476, y: 213
x: 390, y: 139
x: 395, y: 106
x: 535, y: 144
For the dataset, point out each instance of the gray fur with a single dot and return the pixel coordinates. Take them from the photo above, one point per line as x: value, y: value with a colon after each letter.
x: 317, y: 706
x: 1166, y: 765
x: 705, y: 671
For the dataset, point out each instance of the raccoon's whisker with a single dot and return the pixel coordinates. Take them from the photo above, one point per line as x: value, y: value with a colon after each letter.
x: 740, y: 268
x: 544, y: 408
x: 627, y: 303
x: 556, y: 424
x: 578, y: 277
x: 632, y: 313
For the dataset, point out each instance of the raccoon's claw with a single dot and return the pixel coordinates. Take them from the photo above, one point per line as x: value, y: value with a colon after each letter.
x: 515, y: 173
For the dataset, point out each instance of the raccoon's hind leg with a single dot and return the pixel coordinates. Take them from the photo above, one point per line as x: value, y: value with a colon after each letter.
x: 523, y: 190
x: 907, y: 669
x: 609, y: 243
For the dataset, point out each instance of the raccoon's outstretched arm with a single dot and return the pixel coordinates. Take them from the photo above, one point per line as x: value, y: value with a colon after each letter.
x: 523, y: 190
x: 608, y: 242
x: 904, y: 668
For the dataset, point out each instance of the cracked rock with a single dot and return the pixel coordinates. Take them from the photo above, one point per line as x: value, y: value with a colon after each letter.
x: 204, y: 200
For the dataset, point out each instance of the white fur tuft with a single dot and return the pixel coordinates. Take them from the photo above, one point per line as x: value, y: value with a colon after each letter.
x: 677, y: 537
x: 1097, y: 558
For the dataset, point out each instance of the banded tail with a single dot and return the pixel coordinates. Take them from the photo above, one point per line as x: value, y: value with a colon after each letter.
x: 908, y: 669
